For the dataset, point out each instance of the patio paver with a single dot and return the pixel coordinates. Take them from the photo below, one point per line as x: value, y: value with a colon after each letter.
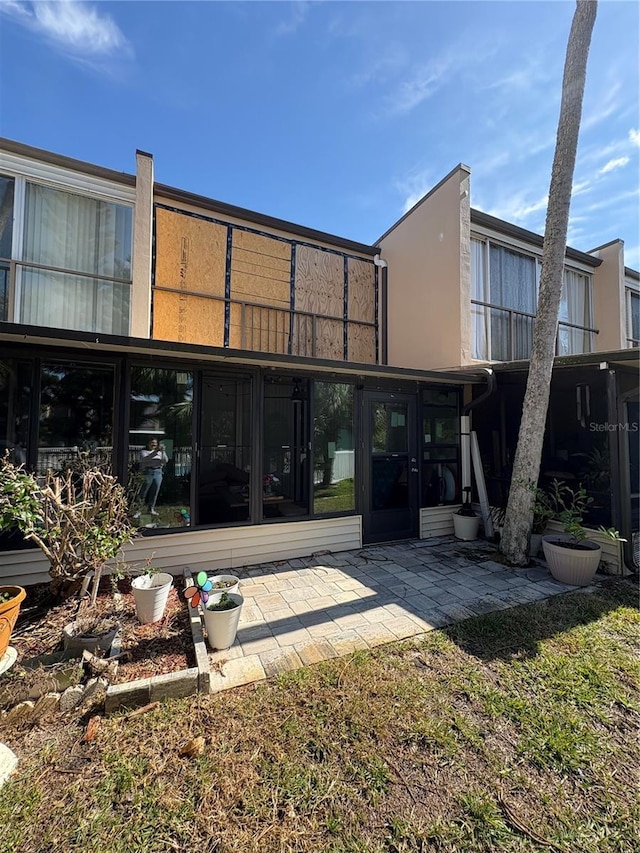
x: 303, y: 611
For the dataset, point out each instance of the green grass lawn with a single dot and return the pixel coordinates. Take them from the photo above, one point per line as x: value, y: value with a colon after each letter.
x: 516, y: 731
x: 338, y: 497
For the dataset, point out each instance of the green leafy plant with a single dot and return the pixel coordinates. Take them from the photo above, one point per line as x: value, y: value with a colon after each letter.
x: 569, y: 507
x: 79, y: 520
x: 225, y: 603
x: 611, y: 533
x: 543, y: 511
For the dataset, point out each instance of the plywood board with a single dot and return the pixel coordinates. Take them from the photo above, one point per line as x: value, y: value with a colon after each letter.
x: 190, y: 253
x: 361, y: 276
x: 361, y: 343
x: 259, y: 329
x: 329, y: 338
x: 260, y: 269
x: 188, y: 319
x: 319, y: 283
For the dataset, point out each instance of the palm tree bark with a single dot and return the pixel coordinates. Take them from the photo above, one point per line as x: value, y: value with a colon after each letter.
x: 526, y: 467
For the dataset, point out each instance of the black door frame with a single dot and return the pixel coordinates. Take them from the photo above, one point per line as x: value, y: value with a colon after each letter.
x: 410, y: 529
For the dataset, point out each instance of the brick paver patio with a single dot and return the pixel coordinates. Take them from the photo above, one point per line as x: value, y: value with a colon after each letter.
x: 302, y: 611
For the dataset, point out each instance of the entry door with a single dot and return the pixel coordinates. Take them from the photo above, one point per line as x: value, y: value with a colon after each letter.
x: 390, y: 467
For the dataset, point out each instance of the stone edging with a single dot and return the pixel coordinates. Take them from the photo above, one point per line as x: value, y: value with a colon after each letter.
x: 185, y: 682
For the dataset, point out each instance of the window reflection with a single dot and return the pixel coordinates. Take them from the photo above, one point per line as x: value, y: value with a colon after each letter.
x: 334, y: 456
x: 225, y: 451
x: 285, y: 476
x: 15, y: 392
x: 76, y: 416
x: 159, y: 459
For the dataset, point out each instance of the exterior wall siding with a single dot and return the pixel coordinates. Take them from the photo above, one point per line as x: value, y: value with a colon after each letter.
x: 436, y: 521
x: 228, y: 548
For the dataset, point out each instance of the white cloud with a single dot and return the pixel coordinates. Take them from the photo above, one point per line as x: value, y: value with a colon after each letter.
x: 74, y: 27
x: 634, y: 137
x: 612, y: 165
x: 299, y: 10
x: 610, y: 104
x: 421, y: 85
x: 518, y: 208
x: 580, y: 187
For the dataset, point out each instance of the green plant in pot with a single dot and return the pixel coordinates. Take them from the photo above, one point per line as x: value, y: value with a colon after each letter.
x: 221, y: 618
x: 543, y: 512
x: 79, y: 520
x: 571, y: 557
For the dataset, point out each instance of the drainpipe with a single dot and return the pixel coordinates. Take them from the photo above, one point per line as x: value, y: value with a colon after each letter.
x: 465, y: 432
x: 380, y: 262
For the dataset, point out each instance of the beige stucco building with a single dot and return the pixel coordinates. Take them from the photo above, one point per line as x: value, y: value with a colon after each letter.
x: 306, y: 388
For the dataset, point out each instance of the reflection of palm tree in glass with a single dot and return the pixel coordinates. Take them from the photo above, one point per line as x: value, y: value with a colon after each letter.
x: 333, y: 413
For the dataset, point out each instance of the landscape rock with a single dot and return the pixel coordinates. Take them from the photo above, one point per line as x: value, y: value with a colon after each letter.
x: 71, y: 697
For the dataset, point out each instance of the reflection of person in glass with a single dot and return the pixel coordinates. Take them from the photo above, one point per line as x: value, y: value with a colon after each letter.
x: 151, y: 461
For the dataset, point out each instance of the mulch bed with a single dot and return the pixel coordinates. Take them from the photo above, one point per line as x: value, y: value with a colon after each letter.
x: 162, y: 647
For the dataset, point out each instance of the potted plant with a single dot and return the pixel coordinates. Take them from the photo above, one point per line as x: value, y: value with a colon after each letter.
x: 224, y: 583
x: 151, y: 592
x: 465, y: 520
x: 221, y: 617
x: 543, y: 512
x: 571, y: 557
x: 79, y: 520
x: 11, y: 597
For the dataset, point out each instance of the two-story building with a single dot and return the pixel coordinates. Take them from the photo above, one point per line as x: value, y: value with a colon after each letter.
x: 306, y: 389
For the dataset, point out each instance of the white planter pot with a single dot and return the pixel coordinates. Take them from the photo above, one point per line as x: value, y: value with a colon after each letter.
x: 574, y: 565
x: 230, y: 579
x: 466, y: 526
x: 151, y: 593
x: 222, y: 625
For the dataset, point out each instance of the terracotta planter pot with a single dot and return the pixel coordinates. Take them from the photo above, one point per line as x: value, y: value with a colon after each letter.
x: 571, y: 562
x: 9, y: 613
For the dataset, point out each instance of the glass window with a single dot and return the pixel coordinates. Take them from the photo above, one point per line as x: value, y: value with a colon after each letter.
x: 76, y: 415
x: 575, y: 307
x: 285, y: 473
x: 86, y: 236
x: 15, y: 393
x: 333, y: 454
x: 225, y: 451
x: 159, y: 483
x: 441, y: 447
x: 6, y: 240
x: 512, y: 284
x: 633, y: 317
x: 389, y: 427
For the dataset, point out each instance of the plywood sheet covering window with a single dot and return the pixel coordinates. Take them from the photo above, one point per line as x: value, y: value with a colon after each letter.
x: 188, y: 319
x: 260, y: 269
x: 326, y: 342
x: 190, y: 253
x: 190, y: 256
x: 261, y: 329
x: 319, y: 282
x: 362, y: 295
x: 361, y: 342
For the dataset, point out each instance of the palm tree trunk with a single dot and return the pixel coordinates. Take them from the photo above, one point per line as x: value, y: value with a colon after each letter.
x: 526, y: 466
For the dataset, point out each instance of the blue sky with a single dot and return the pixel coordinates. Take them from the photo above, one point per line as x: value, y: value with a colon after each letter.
x: 338, y: 116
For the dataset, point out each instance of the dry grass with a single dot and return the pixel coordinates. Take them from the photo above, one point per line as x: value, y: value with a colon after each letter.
x: 516, y: 731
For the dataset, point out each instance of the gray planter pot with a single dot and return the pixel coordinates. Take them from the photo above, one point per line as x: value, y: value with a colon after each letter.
x: 571, y: 562
x: 466, y: 526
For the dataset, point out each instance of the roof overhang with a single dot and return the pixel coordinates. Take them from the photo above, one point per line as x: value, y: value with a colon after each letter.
x: 622, y: 358
x: 87, y: 342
